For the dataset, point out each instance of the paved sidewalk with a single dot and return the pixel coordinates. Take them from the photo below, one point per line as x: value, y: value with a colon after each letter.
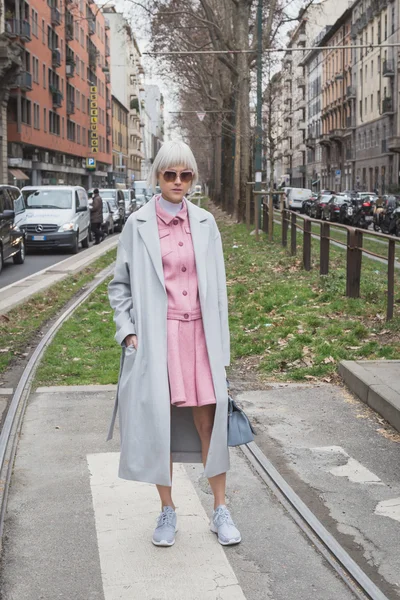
x: 377, y: 383
x: 18, y: 292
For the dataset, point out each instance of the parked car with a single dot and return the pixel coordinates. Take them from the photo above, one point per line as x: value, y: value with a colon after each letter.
x: 295, y: 197
x: 140, y: 200
x: 116, y: 200
x: 331, y: 210
x: 317, y: 207
x: 56, y: 217
x: 130, y: 202
x: 107, y: 225
x: 142, y: 189
x: 12, y: 217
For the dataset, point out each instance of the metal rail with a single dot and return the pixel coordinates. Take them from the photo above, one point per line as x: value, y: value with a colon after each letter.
x: 12, y: 425
x: 348, y: 570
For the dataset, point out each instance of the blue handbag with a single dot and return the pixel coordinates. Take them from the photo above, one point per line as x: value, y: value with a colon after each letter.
x: 240, y: 430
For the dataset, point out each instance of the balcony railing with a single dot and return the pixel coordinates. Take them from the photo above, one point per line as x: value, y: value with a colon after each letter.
x: 57, y: 99
x: 388, y: 68
x: 70, y: 107
x: 107, y: 50
x: 387, y: 105
x: 350, y: 92
x: 23, y: 81
x: 108, y: 130
x: 55, y: 16
x: 70, y: 69
x: 69, y: 32
x: 394, y: 144
x: 15, y: 28
x: 56, y: 58
x: 92, y: 26
x: 92, y: 58
x: 310, y: 141
x: 108, y: 78
x: 108, y: 104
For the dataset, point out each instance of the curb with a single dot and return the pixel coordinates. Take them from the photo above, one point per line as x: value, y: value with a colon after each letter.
x: 16, y: 293
x: 370, y: 388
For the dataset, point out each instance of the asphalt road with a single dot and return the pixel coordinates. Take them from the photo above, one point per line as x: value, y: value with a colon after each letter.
x: 34, y: 262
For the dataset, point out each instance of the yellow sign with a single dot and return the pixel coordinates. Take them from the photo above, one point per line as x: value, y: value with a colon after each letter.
x: 94, y: 135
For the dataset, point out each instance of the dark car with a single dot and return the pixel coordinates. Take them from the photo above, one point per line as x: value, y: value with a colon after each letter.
x: 331, y: 210
x: 318, y: 206
x: 12, y: 215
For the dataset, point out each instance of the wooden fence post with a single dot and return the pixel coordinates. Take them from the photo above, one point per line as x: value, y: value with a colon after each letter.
x: 248, y: 195
x: 265, y: 217
x: 293, y: 234
x: 354, y: 258
x: 270, y: 218
x: 256, y: 207
x: 324, y: 249
x: 284, y: 222
x: 307, y: 245
x: 390, y: 290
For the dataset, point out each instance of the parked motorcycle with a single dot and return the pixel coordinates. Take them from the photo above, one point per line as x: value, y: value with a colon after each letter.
x: 388, y: 221
x: 357, y: 213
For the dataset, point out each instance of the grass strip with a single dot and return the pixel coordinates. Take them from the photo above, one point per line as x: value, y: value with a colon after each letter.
x: 290, y: 324
x: 21, y: 325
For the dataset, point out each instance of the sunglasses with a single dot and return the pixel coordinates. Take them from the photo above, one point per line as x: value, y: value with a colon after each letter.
x: 171, y: 176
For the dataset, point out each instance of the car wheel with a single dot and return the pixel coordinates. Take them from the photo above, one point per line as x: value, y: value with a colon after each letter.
x: 19, y: 258
x: 75, y: 246
x: 85, y: 242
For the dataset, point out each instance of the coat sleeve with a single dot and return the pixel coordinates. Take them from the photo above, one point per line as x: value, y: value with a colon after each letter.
x: 120, y: 295
x: 222, y: 297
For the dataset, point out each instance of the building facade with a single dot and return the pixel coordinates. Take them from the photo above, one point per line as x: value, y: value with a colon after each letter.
x: 153, y: 121
x: 120, y: 116
x: 59, y: 110
x: 127, y: 86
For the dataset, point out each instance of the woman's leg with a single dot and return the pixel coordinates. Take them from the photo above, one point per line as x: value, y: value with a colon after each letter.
x: 165, y: 493
x: 203, y: 417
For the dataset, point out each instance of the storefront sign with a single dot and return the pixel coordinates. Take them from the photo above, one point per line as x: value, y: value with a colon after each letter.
x: 91, y: 164
x: 94, y: 134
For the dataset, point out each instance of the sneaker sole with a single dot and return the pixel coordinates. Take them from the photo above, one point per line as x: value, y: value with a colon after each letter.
x: 229, y: 543
x: 164, y: 543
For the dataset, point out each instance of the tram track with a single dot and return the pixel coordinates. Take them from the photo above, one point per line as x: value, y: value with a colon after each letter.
x: 361, y: 586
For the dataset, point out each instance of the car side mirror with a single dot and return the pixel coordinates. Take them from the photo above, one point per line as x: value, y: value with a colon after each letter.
x: 82, y: 209
x: 8, y: 214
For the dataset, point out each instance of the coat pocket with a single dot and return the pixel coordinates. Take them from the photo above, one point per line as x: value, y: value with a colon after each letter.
x: 165, y: 241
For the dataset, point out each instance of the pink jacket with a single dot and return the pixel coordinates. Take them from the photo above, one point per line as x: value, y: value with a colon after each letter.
x: 179, y: 265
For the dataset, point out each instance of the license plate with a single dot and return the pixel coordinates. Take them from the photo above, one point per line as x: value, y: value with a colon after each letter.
x: 369, y: 218
x: 349, y: 211
x: 38, y: 238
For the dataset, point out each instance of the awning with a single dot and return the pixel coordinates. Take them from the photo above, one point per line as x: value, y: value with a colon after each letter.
x: 18, y: 174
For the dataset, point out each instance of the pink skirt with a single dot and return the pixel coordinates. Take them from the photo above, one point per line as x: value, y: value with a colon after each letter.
x: 189, y: 372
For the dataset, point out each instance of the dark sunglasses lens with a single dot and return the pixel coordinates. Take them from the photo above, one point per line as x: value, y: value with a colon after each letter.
x: 186, y: 176
x: 169, y: 176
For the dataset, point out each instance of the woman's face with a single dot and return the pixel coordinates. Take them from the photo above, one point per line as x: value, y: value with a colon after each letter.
x: 175, y: 183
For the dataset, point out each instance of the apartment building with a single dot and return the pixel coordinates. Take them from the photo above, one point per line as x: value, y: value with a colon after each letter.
x: 376, y: 84
x: 153, y: 121
x: 59, y: 110
x: 127, y: 85
x: 120, y: 116
x: 338, y: 106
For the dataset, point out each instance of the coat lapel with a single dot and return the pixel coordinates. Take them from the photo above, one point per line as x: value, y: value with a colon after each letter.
x: 200, y: 231
x: 149, y: 233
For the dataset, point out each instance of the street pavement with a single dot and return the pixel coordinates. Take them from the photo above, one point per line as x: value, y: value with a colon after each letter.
x: 74, y: 530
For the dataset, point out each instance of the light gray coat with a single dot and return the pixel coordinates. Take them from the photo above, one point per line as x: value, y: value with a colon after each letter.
x: 149, y: 428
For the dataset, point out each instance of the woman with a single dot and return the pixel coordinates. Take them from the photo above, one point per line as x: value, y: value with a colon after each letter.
x: 171, y: 314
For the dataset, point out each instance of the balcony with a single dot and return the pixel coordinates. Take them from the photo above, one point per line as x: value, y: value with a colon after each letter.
x: 351, y: 92
x: 70, y: 107
x: 108, y: 130
x: 336, y: 134
x: 55, y: 16
x: 325, y: 139
x: 92, y: 26
x: 69, y: 32
x: 394, y: 143
x: 388, y: 68
x: 70, y: 69
x: 350, y: 122
x: 57, y: 98
x: 108, y: 104
x: 23, y: 81
x: 56, y: 59
x: 107, y: 50
x: 387, y: 106
x: 301, y: 82
x: 108, y: 78
x: 92, y: 58
x: 15, y: 28
x: 310, y: 141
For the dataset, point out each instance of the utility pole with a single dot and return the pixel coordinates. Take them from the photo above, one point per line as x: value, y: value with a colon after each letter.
x: 258, y: 144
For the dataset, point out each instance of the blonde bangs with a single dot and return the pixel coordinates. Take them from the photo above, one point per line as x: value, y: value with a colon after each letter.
x: 173, y: 154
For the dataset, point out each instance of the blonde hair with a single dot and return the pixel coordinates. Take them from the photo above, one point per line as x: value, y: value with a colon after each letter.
x: 172, y: 154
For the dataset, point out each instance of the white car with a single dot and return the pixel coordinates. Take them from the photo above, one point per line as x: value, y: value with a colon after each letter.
x: 295, y: 197
x: 56, y: 217
x: 107, y: 225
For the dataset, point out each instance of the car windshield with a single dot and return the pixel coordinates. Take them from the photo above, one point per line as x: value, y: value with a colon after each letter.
x: 107, y: 194
x: 105, y: 206
x: 48, y: 198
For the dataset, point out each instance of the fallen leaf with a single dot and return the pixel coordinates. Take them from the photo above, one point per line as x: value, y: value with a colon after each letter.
x: 329, y: 360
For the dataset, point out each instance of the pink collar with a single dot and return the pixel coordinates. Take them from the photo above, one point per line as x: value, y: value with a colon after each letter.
x: 167, y: 217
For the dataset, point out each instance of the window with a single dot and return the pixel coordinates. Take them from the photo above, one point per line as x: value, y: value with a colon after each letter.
x: 372, y: 68
x: 54, y: 123
x: 84, y: 135
x: 83, y: 103
x: 366, y: 72
x: 71, y: 130
x: 36, y: 116
x: 372, y: 102
x: 82, y: 38
x: 44, y: 75
x: 393, y: 20
x: 379, y: 99
x: 365, y: 106
x: 26, y: 116
x: 78, y: 99
x: 78, y: 134
x: 76, y: 31
x: 35, y: 69
x: 45, y: 119
x: 43, y: 32
x: 379, y: 30
x: 35, y: 23
x: 63, y: 127
x: 386, y: 27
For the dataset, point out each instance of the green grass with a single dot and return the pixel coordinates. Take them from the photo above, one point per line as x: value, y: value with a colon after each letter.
x: 291, y: 324
x: 20, y: 326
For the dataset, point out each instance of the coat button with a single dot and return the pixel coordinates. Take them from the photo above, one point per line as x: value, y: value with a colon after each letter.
x: 186, y: 315
x: 175, y: 221
x: 180, y: 244
x: 184, y: 292
x: 183, y: 269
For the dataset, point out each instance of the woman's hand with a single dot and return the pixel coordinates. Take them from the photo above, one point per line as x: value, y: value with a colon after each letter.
x: 131, y: 340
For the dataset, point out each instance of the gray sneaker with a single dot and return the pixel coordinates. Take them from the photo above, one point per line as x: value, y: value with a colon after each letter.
x: 224, y: 527
x: 164, y: 533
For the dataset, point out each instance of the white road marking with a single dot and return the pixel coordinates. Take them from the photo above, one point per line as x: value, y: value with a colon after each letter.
x: 389, y: 508
x: 353, y: 470
x: 195, y: 568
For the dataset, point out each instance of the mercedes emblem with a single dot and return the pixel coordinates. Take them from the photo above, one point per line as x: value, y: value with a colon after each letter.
x: 39, y: 228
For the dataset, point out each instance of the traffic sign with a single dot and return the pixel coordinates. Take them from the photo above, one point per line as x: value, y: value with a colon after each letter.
x: 91, y: 164
x: 201, y: 115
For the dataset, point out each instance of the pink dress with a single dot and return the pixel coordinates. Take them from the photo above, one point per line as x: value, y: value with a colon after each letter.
x: 189, y: 372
